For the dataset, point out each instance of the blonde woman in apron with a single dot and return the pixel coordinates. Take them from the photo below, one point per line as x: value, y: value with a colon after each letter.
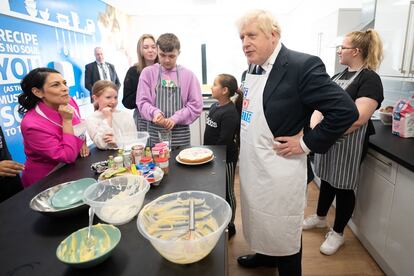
x: 338, y: 169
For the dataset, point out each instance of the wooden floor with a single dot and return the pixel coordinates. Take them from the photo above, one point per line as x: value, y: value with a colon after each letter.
x: 351, y: 259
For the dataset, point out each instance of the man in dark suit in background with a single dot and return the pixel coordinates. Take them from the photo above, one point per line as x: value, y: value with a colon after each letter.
x: 99, y: 70
x: 281, y: 90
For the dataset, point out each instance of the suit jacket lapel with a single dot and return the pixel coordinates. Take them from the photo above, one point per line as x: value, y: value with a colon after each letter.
x: 276, y: 74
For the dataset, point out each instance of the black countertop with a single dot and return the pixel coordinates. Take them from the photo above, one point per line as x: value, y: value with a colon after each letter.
x: 401, y: 150
x: 29, y: 239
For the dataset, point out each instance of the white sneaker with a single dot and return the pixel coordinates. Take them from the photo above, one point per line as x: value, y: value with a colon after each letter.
x: 332, y: 243
x: 314, y: 221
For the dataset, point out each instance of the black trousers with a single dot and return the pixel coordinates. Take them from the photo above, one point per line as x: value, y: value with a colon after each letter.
x: 290, y: 265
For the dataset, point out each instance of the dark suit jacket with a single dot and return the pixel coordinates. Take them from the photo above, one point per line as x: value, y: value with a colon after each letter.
x: 297, y: 85
x: 92, y: 75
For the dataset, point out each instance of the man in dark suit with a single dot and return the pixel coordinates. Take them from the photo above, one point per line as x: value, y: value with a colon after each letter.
x: 280, y: 92
x: 100, y: 70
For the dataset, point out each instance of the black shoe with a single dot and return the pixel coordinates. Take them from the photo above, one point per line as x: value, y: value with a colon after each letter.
x: 232, y: 229
x: 256, y: 260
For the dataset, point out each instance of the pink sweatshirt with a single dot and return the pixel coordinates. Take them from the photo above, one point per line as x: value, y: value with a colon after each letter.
x: 45, y: 144
x: 190, y: 93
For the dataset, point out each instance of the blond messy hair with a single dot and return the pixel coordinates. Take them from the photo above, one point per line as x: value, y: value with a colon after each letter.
x: 265, y: 21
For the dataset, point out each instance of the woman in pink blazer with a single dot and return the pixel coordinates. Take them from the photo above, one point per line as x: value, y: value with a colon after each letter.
x: 52, y: 129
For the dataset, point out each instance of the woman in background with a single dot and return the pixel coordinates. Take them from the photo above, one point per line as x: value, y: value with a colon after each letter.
x: 52, y: 129
x: 338, y: 169
x: 223, y: 128
x: 107, y: 124
x: 147, y: 55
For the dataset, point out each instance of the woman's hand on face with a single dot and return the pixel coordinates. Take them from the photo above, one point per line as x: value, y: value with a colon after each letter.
x: 10, y: 168
x: 66, y: 111
x: 84, y: 152
x: 109, y: 138
x: 107, y: 112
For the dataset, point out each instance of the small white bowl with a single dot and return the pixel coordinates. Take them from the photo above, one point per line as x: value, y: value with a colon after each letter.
x: 386, y: 117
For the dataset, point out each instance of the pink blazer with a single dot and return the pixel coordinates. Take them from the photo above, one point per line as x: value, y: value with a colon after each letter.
x: 45, y: 145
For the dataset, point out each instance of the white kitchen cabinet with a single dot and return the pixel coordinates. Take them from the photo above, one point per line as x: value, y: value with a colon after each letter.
x: 328, y: 34
x: 197, y: 129
x: 374, y: 199
x: 394, y: 20
x: 399, y: 250
x: 383, y: 219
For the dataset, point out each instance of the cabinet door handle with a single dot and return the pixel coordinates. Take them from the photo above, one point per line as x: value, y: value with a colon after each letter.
x: 405, y: 40
x: 388, y: 164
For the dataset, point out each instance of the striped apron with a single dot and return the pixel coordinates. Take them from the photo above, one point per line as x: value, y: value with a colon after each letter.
x: 168, y: 100
x: 340, y: 165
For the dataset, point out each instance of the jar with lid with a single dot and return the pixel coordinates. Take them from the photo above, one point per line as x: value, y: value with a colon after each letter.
x: 145, y: 160
x: 163, y: 163
x: 137, y: 152
x: 164, y: 146
x: 118, y: 162
x: 155, y: 152
x: 127, y: 159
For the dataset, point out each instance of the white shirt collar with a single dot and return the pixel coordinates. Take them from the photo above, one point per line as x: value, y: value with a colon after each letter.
x: 267, y: 66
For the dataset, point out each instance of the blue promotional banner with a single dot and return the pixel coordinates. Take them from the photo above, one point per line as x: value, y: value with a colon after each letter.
x: 55, y: 34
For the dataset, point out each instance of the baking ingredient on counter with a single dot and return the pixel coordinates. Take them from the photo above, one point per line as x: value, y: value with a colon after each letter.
x: 403, y: 119
x: 118, y: 213
x: 170, y: 221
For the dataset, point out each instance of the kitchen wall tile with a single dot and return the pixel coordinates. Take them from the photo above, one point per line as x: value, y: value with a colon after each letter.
x: 396, y: 89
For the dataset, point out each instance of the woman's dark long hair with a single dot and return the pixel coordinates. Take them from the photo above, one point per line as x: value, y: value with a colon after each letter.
x: 226, y: 80
x: 35, y: 78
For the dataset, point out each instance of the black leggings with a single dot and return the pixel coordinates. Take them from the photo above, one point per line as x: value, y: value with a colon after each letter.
x: 345, y: 204
x: 230, y: 196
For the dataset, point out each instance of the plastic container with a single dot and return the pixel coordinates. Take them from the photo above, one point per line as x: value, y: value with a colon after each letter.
x: 172, y: 239
x: 385, y: 117
x: 163, y: 163
x: 137, y: 152
x: 133, y: 138
x: 117, y: 200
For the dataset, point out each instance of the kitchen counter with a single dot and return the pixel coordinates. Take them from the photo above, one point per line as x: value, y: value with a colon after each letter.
x: 29, y: 239
x: 401, y: 150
